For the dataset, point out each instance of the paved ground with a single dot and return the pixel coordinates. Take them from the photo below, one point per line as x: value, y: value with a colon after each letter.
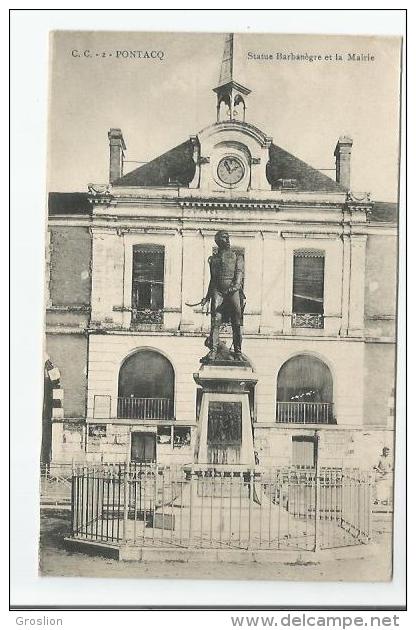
x: 56, y: 561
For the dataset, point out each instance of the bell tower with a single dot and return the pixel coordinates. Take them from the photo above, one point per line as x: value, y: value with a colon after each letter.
x: 231, y: 96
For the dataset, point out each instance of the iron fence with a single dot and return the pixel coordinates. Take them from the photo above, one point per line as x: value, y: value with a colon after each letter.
x: 222, y: 506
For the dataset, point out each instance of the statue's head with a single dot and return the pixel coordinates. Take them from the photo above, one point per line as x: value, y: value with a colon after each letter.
x: 222, y: 239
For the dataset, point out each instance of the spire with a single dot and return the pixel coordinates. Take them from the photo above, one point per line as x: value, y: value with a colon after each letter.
x: 226, y: 73
x: 230, y: 94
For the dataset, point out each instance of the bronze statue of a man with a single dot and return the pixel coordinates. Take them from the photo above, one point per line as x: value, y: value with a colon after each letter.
x: 225, y: 292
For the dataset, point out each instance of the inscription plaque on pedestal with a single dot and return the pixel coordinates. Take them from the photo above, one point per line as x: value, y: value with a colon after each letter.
x: 224, y: 432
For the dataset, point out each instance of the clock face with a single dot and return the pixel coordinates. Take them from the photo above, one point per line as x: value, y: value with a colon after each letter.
x: 230, y: 170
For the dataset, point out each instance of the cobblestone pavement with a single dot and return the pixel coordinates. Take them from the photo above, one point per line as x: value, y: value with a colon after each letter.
x: 55, y: 560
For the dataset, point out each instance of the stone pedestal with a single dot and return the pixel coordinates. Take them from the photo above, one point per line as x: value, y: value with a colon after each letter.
x: 226, y: 396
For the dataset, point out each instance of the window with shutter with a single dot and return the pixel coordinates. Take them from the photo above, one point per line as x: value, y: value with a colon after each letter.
x: 304, y: 450
x: 147, y: 283
x: 308, y: 288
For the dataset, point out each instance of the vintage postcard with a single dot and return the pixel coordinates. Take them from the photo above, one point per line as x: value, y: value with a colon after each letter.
x: 221, y: 276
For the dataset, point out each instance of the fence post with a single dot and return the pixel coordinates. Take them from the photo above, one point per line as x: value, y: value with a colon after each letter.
x: 251, y: 499
x: 126, y: 502
x: 73, y: 503
x: 191, y: 496
x: 317, y: 540
x: 370, y: 485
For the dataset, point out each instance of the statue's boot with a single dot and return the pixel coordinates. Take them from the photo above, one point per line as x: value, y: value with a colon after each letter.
x: 215, y: 337
x: 214, y: 342
x: 208, y: 358
x: 237, y: 341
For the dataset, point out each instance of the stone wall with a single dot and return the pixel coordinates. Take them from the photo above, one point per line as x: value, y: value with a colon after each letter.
x: 380, y: 285
x: 70, y: 259
x: 379, y: 384
x: 68, y: 442
x: 337, y: 447
x: 72, y: 442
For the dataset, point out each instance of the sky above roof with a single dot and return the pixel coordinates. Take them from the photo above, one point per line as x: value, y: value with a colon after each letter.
x: 304, y: 105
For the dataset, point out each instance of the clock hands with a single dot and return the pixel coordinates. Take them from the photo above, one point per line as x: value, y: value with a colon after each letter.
x: 231, y: 168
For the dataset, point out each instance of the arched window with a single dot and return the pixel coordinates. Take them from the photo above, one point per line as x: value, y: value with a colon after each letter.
x: 304, y: 391
x: 146, y: 385
x: 224, y: 107
x: 239, y: 108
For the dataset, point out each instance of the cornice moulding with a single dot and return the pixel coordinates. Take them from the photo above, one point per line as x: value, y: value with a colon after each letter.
x: 311, y: 235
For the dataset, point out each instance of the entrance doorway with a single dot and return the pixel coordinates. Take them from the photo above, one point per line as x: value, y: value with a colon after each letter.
x: 304, y: 450
x: 143, y: 447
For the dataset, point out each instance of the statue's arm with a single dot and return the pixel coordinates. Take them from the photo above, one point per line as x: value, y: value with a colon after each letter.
x: 237, y: 284
x: 210, y: 286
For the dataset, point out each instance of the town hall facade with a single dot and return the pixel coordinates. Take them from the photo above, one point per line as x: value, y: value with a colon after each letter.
x: 126, y: 259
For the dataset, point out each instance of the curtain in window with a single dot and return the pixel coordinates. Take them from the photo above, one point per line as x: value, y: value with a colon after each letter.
x: 308, y: 281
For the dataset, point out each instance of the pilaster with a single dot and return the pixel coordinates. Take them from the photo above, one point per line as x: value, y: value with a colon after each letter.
x: 346, y: 275
x: 192, y: 278
x: 273, y: 281
x: 106, y: 288
x: 357, y: 285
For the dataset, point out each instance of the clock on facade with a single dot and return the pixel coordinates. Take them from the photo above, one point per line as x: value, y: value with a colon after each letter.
x: 230, y: 170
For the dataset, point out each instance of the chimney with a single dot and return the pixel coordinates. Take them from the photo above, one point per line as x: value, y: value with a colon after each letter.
x: 117, y: 148
x: 343, y: 161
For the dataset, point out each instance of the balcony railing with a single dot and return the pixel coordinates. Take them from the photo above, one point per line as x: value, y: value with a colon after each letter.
x: 307, y: 320
x: 147, y: 316
x: 305, y: 412
x: 145, y: 408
